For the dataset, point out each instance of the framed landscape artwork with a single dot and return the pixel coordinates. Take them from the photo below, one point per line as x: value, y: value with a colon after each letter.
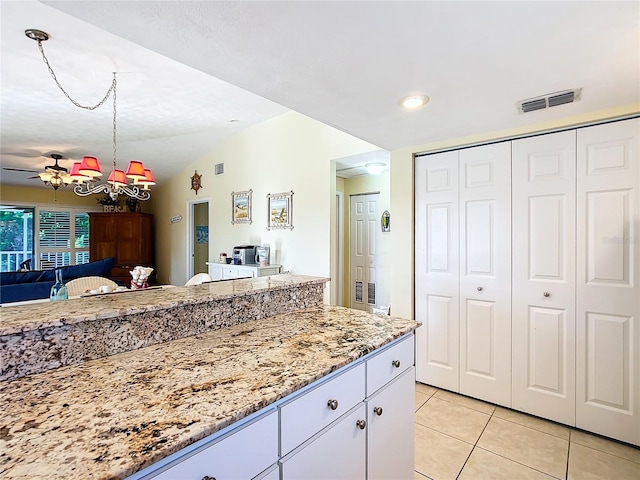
x: 241, y: 207
x: 280, y: 211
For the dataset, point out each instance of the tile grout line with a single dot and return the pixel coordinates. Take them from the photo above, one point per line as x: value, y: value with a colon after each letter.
x: 475, y: 445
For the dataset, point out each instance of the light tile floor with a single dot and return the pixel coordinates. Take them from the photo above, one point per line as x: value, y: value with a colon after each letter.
x: 458, y: 437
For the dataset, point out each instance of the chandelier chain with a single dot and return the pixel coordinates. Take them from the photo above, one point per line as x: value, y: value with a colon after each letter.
x: 113, y: 87
x: 55, y: 79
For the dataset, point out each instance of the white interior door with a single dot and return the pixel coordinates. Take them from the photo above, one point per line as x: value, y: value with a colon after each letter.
x: 436, y: 270
x: 485, y: 272
x: 608, y: 275
x: 363, y: 251
x: 543, y: 295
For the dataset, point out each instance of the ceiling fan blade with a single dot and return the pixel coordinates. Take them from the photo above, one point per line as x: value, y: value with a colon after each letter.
x: 35, y: 176
x: 20, y: 170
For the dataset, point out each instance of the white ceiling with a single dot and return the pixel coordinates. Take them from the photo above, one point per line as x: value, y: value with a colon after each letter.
x: 343, y: 63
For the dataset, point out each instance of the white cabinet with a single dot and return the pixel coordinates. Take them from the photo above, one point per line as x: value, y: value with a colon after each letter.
x: 244, y: 453
x: 608, y: 286
x: 543, y: 324
x: 390, y: 430
x: 463, y: 274
x: 337, y: 453
x: 223, y: 271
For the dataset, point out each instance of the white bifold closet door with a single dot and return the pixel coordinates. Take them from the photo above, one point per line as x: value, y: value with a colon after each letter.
x: 608, y: 280
x: 436, y: 270
x: 485, y: 272
x: 543, y: 310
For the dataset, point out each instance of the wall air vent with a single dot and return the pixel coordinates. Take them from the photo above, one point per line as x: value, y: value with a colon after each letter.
x: 549, y: 100
x: 219, y: 168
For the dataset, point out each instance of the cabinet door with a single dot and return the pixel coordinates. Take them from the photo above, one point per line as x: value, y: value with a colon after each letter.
x: 129, y: 239
x: 543, y: 298
x: 337, y: 453
x: 390, y: 425
x: 436, y: 270
x: 485, y: 272
x: 608, y: 279
x: 102, y: 241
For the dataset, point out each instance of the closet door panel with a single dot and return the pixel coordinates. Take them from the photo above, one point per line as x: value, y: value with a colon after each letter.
x: 543, y: 296
x: 436, y: 270
x: 608, y: 279
x: 485, y: 273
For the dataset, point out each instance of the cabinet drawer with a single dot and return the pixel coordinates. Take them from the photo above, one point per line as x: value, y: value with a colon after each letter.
x: 309, y: 413
x: 243, y: 454
x: 231, y: 272
x: 389, y: 363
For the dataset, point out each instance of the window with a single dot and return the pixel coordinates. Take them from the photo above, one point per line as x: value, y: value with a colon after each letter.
x: 16, y: 237
x: 63, y: 238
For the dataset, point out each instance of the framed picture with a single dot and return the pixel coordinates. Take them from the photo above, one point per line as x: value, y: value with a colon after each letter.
x: 280, y: 211
x: 241, y: 207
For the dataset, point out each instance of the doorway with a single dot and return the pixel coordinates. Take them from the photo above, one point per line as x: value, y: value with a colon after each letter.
x: 363, y: 251
x: 198, y: 225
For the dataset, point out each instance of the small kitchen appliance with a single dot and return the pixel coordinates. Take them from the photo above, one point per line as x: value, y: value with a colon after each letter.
x: 245, y: 253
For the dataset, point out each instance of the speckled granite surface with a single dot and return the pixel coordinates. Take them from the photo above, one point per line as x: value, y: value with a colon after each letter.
x: 111, y: 417
x: 33, y: 341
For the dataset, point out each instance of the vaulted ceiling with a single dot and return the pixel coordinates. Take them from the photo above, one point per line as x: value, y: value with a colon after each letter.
x: 186, y: 69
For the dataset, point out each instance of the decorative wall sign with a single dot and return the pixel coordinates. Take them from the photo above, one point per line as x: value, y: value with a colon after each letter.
x: 386, y: 221
x: 176, y: 219
x: 241, y: 207
x: 196, y: 182
x: 280, y: 211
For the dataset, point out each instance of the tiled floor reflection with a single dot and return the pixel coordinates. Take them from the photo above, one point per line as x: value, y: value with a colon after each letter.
x: 462, y: 438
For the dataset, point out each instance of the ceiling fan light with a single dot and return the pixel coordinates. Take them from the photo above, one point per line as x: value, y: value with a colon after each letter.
x: 135, y: 170
x: 375, y: 168
x: 90, y: 167
x: 117, y: 179
x: 45, y: 176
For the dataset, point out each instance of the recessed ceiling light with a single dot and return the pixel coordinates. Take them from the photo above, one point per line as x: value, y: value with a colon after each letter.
x: 412, y: 102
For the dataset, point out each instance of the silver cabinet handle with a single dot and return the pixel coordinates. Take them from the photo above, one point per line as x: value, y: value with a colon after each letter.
x: 207, y: 477
x: 479, y: 289
x: 361, y: 424
x: 332, y: 404
x: 396, y: 363
x: 546, y: 294
x: 378, y: 411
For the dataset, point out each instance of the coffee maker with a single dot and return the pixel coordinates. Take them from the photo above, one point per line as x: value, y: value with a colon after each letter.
x: 246, y: 254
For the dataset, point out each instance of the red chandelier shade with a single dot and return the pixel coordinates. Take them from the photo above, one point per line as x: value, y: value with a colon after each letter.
x: 90, y: 167
x: 135, y: 170
x: 76, y: 175
x: 148, y: 179
x: 117, y: 178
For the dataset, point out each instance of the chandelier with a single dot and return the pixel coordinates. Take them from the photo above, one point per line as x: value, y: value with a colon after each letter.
x: 85, y: 175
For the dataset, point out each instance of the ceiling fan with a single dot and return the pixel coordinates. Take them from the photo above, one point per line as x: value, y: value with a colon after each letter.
x: 53, y: 175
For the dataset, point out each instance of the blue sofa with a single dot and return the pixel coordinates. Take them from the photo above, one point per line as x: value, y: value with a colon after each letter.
x: 34, y: 284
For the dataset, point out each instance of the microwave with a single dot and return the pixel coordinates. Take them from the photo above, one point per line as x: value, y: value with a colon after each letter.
x: 246, y: 254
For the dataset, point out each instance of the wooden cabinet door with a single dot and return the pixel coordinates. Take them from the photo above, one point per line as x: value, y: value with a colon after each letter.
x: 390, y: 425
x: 485, y: 272
x: 544, y: 187
x: 436, y: 269
x: 102, y: 241
x: 129, y: 240
x: 608, y: 279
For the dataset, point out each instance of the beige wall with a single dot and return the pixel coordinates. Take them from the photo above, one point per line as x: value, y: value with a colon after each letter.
x: 369, y: 184
x: 402, y: 231
x: 14, y: 194
x: 290, y: 152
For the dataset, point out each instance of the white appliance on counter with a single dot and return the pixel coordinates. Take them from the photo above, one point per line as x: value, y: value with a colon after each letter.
x: 224, y: 271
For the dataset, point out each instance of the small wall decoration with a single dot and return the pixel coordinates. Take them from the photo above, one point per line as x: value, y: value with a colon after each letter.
x: 175, y: 219
x: 386, y: 221
x: 280, y: 211
x: 196, y: 182
x: 241, y: 207
x: 202, y: 234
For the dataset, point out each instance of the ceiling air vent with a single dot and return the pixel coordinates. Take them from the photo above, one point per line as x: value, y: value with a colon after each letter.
x: 549, y: 100
x: 219, y: 168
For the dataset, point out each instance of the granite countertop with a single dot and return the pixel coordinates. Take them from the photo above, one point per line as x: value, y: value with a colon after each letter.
x: 24, y: 318
x: 111, y: 417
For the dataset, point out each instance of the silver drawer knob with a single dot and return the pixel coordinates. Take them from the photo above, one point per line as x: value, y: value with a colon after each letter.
x: 361, y: 424
x: 479, y: 289
x: 396, y: 363
x: 207, y: 477
x: 332, y: 404
x: 546, y: 294
x: 378, y: 411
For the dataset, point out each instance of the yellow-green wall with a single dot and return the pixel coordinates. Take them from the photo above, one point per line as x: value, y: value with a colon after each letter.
x: 402, y: 231
x: 290, y: 152
x: 20, y: 195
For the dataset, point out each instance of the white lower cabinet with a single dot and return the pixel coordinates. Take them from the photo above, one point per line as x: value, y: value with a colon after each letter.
x: 223, y: 271
x: 245, y: 453
x: 390, y: 430
x: 337, y: 453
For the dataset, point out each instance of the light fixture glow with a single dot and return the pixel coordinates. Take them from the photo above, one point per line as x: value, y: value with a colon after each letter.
x: 375, y: 168
x: 412, y: 102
